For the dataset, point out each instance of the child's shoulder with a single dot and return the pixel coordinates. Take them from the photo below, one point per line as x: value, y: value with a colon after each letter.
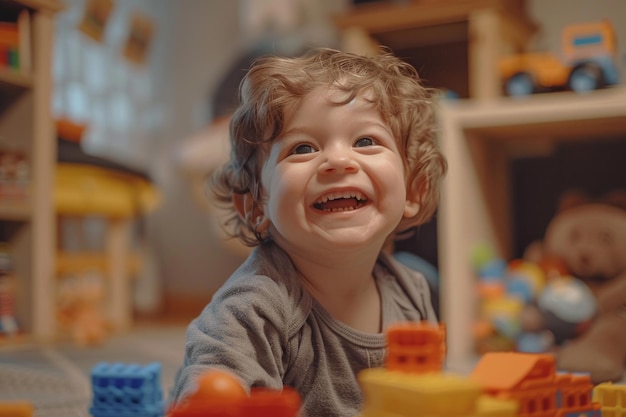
x: 266, y: 281
x: 405, y: 287
x: 402, y: 273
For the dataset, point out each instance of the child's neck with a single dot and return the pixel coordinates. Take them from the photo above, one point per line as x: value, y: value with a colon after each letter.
x: 345, y: 287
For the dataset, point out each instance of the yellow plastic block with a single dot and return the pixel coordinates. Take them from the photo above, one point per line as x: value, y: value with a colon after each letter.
x: 612, y: 399
x: 401, y: 394
x: 488, y: 406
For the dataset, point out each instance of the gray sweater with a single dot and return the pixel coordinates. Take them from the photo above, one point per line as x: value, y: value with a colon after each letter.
x: 264, y: 326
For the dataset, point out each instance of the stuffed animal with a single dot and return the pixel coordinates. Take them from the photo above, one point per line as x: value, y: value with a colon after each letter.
x: 589, y: 236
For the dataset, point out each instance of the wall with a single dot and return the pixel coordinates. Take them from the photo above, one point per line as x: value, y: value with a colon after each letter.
x: 205, y: 38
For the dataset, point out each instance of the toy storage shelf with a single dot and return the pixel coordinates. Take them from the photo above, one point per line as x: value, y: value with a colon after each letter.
x: 13, y: 79
x: 15, y: 211
x: 480, y: 138
x: 434, y: 36
x: 26, y: 127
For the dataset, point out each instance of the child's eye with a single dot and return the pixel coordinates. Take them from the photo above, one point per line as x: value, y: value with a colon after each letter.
x: 362, y: 142
x: 302, y: 149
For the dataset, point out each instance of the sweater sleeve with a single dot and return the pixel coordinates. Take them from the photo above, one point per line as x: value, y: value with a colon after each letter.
x: 244, y: 329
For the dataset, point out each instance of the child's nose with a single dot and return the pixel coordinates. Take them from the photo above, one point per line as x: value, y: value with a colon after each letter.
x: 339, y: 162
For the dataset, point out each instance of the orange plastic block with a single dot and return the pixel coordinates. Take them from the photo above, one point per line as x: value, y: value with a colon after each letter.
x: 271, y: 403
x: 416, y: 347
x: 529, y: 379
x: 261, y: 403
x: 532, y: 381
x: 16, y: 409
x: 575, y: 393
x: 510, y: 371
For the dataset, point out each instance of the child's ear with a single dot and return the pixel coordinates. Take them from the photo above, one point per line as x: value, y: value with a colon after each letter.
x: 411, y: 208
x: 416, y: 190
x: 250, y: 212
x: 243, y: 205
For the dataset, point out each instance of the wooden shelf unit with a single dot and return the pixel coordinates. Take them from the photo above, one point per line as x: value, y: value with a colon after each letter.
x: 26, y: 124
x: 16, y: 80
x: 467, y: 35
x: 480, y: 138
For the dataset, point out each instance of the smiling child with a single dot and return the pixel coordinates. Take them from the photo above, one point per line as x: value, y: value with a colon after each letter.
x: 332, y: 155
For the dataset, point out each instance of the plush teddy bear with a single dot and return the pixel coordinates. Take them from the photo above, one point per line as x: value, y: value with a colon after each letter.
x: 589, y: 236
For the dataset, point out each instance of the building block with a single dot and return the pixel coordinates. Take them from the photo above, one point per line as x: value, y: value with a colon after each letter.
x: 612, y: 399
x: 416, y: 347
x: 395, y: 393
x: 574, y: 393
x: 261, y: 402
x: 16, y: 409
x: 533, y: 382
x: 522, y: 370
x: 503, y: 384
x: 125, y: 390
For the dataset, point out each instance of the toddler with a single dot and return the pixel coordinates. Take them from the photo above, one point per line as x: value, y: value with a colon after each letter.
x: 332, y: 155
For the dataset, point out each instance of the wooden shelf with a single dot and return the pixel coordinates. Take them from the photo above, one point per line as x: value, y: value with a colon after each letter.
x: 26, y: 126
x: 12, y: 78
x: 14, y: 211
x: 479, y: 139
x: 434, y: 36
x: 51, y: 5
x: 384, y: 17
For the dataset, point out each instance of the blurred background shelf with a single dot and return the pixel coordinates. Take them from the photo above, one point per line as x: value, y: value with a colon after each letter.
x: 435, y: 36
x: 13, y: 79
x: 26, y: 127
x: 481, y: 140
x: 14, y: 211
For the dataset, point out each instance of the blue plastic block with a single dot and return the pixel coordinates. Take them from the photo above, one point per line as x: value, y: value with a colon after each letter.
x: 121, y: 390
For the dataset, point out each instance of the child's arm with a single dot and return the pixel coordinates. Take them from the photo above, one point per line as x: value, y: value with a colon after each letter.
x: 243, y: 330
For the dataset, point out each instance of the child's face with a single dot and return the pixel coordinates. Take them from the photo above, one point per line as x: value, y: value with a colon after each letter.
x: 335, y: 177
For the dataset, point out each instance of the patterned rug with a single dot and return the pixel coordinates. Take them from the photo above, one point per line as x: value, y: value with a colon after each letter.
x: 56, y: 379
x: 51, y: 394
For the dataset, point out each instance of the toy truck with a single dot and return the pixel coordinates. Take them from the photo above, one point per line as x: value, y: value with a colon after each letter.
x: 587, y: 62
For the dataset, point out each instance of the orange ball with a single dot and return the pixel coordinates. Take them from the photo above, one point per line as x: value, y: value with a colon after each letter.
x: 218, y: 384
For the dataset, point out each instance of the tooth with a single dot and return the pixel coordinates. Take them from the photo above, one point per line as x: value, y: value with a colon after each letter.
x: 344, y: 194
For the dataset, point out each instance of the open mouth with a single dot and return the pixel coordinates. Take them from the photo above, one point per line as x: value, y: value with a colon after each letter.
x: 341, y: 201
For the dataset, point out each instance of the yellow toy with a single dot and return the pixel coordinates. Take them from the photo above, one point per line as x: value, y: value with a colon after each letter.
x: 612, y: 399
x: 503, y: 384
x: 412, y: 382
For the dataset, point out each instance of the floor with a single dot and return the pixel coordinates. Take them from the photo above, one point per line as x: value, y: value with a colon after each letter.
x: 56, y: 379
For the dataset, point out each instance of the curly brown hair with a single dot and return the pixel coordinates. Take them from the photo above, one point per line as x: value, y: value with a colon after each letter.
x: 273, y: 85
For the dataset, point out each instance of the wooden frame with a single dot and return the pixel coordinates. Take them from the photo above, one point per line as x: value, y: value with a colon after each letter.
x: 479, y: 139
x: 490, y: 27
